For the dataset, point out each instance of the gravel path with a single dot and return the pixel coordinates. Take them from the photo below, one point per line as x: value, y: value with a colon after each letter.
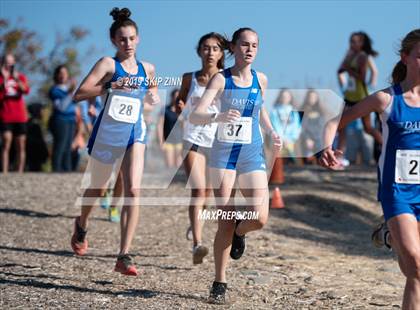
x: 314, y: 254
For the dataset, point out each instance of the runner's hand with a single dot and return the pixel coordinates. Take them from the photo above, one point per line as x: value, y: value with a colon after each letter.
x: 329, y: 159
x: 92, y: 110
x: 277, y: 142
x: 180, y: 106
x: 123, y: 84
x: 152, y: 98
x: 229, y: 116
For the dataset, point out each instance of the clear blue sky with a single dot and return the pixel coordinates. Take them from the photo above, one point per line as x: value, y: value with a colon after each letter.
x: 301, y: 42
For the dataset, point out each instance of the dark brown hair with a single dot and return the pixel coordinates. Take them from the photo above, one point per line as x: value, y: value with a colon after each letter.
x: 308, y: 107
x: 221, y: 42
x: 236, y: 35
x: 281, y: 94
x: 57, y: 72
x: 367, y: 43
x: 407, y: 44
x: 121, y: 19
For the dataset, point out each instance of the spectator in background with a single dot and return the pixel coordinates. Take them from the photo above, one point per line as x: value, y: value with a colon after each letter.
x: 87, y: 112
x: 13, y: 114
x: 63, y: 119
x: 286, y: 122
x: 90, y: 110
x: 170, y: 133
x: 354, y: 67
x: 358, y: 142
x: 36, y: 147
x: 312, y: 125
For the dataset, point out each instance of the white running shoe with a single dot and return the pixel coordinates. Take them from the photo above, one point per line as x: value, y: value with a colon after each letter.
x: 199, y: 251
x: 380, y: 236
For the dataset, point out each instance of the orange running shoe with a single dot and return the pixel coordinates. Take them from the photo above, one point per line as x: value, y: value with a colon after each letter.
x: 125, y: 265
x: 79, y: 243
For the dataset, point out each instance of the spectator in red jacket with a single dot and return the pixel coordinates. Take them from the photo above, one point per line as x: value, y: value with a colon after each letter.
x: 13, y: 115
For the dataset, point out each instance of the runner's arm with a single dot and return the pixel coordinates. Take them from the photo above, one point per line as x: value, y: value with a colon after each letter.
x: 92, y: 85
x: 152, y: 96
x: 376, y: 102
x: 200, y: 116
x: 373, y: 72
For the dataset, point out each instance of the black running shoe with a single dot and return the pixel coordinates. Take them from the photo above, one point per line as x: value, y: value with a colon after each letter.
x: 218, y: 293
x: 238, y: 244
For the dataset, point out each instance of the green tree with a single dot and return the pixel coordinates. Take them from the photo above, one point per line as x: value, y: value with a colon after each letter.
x: 34, y: 60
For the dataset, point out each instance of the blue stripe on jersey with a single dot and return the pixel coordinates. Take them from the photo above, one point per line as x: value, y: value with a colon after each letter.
x: 247, y: 110
x: 401, y: 131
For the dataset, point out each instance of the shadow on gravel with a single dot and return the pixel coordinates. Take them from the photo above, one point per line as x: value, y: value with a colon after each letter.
x: 38, y: 251
x: 87, y: 256
x: 335, y: 223
x: 41, y: 276
x: 139, y: 293
x: 32, y: 213
x: 170, y: 267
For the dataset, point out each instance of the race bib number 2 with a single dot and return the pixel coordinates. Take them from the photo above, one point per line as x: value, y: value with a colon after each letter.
x: 124, y: 109
x: 237, y: 132
x: 407, y: 167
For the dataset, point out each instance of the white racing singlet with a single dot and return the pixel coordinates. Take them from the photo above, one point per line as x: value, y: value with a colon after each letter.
x: 202, y: 135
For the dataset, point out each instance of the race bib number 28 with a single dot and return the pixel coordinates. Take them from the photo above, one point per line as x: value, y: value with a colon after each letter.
x: 124, y: 109
x: 407, y: 167
x: 237, y: 132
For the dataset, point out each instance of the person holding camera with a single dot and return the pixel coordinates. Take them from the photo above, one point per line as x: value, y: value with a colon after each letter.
x: 13, y: 114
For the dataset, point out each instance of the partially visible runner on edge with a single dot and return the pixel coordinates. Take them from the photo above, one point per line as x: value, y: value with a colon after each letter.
x: 198, y: 139
x: 237, y: 153
x: 356, y: 63
x: 118, y: 134
x: 399, y: 164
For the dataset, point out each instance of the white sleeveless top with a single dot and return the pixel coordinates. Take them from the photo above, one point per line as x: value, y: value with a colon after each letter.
x: 202, y: 135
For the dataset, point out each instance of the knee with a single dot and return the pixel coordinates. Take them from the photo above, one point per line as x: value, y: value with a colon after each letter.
x: 102, y: 192
x: 6, y: 145
x: 260, y: 222
x: 226, y: 226
x: 132, y: 192
x: 412, y: 264
x: 198, y: 193
x: 94, y: 192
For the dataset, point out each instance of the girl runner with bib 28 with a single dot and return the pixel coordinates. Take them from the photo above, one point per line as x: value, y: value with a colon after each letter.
x: 118, y: 133
x: 399, y: 164
x: 237, y: 151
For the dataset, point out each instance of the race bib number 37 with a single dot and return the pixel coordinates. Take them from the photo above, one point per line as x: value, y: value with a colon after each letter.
x: 124, y: 109
x: 237, y: 132
x: 407, y: 167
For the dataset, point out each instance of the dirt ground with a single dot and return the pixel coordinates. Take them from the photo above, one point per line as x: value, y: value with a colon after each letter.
x: 314, y: 254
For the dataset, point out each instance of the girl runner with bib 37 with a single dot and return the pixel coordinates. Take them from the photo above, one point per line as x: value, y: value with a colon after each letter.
x: 118, y: 133
x: 237, y: 151
x: 399, y: 164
